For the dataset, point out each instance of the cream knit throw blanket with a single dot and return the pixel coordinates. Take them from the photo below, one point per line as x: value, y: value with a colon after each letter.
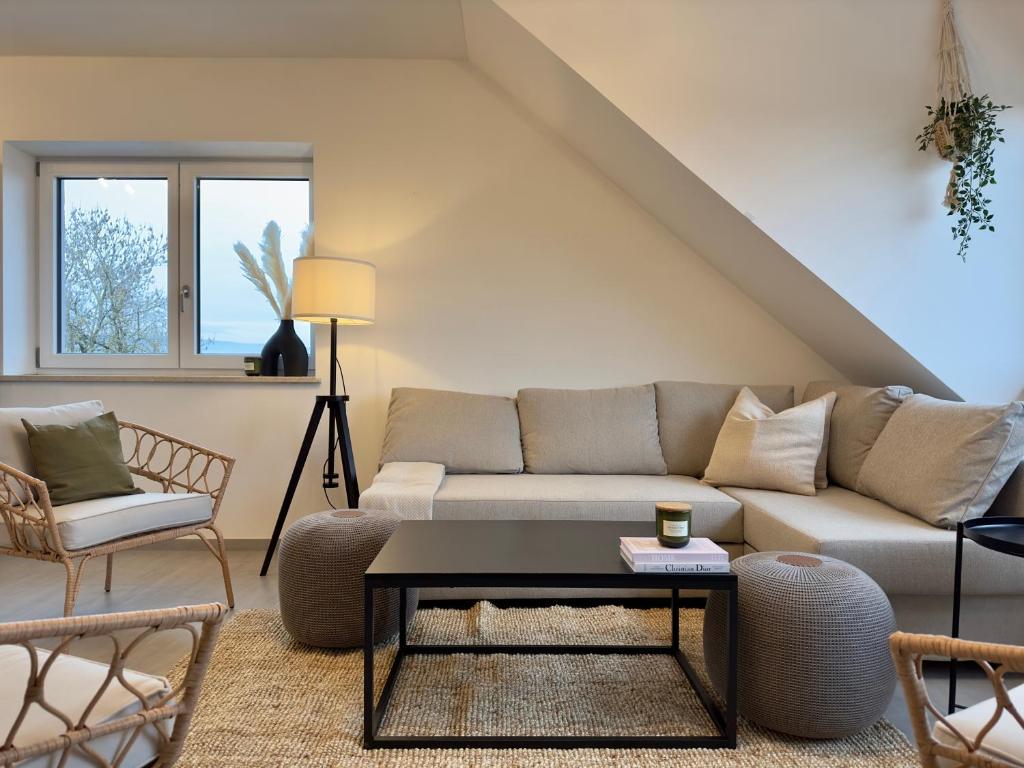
x: 406, y: 488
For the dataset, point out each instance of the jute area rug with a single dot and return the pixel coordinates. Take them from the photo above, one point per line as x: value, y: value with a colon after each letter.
x: 268, y: 701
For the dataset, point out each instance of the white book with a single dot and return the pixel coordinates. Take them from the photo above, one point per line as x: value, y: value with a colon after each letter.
x: 647, y: 549
x: 674, y: 567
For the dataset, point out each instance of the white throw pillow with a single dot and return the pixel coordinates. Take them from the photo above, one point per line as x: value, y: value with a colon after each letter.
x: 758, y: 448
x: 14, y: 449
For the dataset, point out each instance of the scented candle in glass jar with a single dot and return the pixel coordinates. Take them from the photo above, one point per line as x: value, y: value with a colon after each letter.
x: 673, y: 523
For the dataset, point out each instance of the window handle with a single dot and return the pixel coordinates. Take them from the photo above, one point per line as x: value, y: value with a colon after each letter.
x: 183, y: 294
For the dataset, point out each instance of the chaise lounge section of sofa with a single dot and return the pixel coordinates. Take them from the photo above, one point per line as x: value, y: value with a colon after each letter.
x: 611, y: 454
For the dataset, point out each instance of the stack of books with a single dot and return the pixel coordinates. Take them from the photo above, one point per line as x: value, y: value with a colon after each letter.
x: 646, y: 555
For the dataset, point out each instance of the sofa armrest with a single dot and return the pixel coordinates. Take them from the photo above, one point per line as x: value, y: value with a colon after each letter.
x: 26, y: 514
x: 179, y: 466
x: 1010, y: 501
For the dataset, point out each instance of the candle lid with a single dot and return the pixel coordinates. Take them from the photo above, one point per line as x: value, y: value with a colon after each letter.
x: 673, y: 506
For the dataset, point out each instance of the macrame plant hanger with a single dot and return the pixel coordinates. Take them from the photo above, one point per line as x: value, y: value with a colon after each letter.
x: 954, y: 86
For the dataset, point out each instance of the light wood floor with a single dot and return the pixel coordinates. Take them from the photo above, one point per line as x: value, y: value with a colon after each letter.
x: 156, y: 578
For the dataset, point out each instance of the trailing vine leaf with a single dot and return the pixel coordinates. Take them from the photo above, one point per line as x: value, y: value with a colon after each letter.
x: 965, y: 132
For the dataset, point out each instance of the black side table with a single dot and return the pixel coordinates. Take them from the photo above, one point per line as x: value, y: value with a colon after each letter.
x: 1001, y: 534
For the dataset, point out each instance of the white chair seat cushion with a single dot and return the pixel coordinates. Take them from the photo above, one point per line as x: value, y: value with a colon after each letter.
x: 86, y: 524
x: 1004, y: 742
x: 69, y: 686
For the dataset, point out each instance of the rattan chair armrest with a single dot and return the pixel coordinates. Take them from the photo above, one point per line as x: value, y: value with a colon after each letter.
x: 105, y: 623
x: 26, y: 512
x: 179, y: 703
x: 178, y: 465
x: 995, y: 660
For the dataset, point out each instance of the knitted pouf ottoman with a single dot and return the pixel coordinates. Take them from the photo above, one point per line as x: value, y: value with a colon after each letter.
x: 320, y: 578
x: 813, y: 644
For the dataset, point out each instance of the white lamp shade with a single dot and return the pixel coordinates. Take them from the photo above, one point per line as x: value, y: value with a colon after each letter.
x: 326, y: 288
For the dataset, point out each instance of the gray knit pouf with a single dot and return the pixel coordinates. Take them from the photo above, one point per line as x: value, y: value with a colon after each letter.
x: 320, y: 578
x: 813, y: 644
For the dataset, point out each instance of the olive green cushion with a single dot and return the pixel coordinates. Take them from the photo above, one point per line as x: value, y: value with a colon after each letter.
x: 80, y: 462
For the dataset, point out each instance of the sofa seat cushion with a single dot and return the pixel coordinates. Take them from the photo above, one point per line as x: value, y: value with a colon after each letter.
x: 587, y: 497
x: 1004, y: 743
x: 906, y: 556
x: 69, y: 685
x: 84, y: 524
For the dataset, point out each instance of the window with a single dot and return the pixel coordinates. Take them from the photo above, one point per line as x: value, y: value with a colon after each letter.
x: 138, y: 267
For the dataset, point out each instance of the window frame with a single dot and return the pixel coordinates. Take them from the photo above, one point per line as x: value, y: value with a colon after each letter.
x: 182, y: 256
x: 191, y: 173
x: 50, y: 207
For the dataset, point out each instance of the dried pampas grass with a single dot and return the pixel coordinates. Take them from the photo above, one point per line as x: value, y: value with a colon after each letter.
x: 270, y: 278
x: 254, y: 274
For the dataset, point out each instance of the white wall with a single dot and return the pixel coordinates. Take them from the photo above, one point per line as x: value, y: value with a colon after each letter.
x: 18, y: 232
x: 504, y: 259
x: 802, y: 114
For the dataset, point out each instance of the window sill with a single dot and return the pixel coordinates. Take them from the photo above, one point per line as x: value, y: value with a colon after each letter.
x: 151, y: 378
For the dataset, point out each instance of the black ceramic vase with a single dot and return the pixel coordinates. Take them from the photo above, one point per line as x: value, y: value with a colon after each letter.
x: 285, y: 345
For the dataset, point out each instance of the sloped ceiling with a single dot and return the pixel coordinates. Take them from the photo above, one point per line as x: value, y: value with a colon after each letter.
x: 429, y: 29
x: 510, y: 55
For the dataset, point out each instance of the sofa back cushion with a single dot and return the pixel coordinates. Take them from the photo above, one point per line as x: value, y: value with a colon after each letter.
x: 858, y: 418
x: 590, y: 431
x: 944, y: 462
x: 691, y: 414
x: 14, y: 450
x: 1010, y: 501
x: 467, y: 433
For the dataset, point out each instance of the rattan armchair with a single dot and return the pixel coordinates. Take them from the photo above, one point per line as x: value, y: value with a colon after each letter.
x: 175, y: 465
x: 963, y: 747
x: 90, y: 734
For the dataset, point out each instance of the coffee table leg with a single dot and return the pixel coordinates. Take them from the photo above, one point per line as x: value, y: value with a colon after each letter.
x: 368, y: 734
x: 675, y: 618
x: 731, y: 684
x: 403, y: 603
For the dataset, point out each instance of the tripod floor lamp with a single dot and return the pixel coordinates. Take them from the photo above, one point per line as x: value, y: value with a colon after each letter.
x: 331, y: 290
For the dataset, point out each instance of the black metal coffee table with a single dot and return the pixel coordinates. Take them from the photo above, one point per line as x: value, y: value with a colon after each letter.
x: 520, y: 553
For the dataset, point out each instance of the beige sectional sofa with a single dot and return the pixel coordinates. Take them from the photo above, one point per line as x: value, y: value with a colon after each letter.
x: 611, y: 454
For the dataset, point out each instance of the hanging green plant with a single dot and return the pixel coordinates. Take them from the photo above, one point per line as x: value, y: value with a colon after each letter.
x: 965, y: 132
x: 962, y: 128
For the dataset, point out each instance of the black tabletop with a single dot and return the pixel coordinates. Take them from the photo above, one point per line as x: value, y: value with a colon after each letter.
x: 1003, y: 534
x: 507, y: 547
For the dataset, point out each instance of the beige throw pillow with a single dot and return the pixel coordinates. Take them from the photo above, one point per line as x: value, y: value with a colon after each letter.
x: 691, y: 414
x: 758, y: 448
x: 821, y: 468
x: 944, y: 462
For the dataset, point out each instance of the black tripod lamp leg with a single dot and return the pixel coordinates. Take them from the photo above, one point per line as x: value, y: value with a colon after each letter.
x: 300, y: 462
x: 348, y: 464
